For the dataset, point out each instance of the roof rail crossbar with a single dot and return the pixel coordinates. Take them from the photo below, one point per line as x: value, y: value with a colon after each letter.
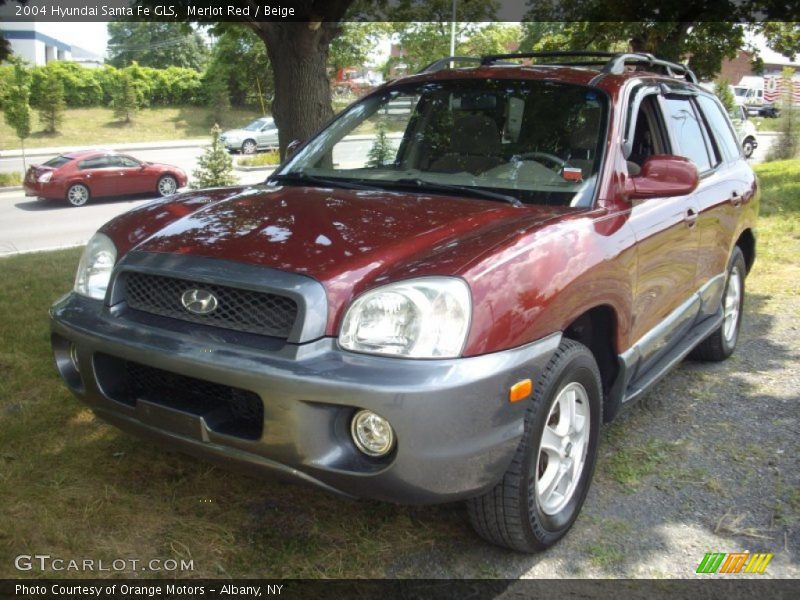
x: 493, y: 58
x: 613, y: 63
x: 444, y: 63
x: 617, y: 65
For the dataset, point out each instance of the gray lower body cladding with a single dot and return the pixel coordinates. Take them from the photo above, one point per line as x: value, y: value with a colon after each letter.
x: 456, y: 431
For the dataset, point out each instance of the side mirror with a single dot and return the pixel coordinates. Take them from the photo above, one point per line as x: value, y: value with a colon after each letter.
x: 292, y: 147
x: 663, y: 176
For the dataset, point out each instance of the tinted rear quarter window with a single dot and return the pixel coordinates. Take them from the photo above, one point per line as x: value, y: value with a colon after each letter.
x: 687, y: 132
x: 58, y: 161
x: 721, y: 129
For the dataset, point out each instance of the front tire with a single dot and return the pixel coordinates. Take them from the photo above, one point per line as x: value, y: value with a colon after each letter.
x: 78, y: 194
x: 544, y: 488
x: 249, y: 147
x: 748, y: 148
x: 722, y: 342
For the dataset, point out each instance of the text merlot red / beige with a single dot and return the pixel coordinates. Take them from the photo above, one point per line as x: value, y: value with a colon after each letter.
x: 149, y: 591
x: 166, y: 10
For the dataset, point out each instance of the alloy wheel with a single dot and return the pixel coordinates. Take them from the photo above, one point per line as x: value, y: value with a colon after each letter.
x: 562, y: 452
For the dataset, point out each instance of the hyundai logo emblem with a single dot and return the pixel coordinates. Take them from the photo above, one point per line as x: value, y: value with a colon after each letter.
x: 199, y: 302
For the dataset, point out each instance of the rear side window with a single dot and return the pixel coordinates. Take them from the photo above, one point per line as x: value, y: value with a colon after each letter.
x: 98, y: 162
x: 720, y: 127
x: 688, y: 132
x: 58, y: 161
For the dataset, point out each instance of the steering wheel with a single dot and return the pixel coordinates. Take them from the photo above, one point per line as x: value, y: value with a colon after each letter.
x: 559, y: 162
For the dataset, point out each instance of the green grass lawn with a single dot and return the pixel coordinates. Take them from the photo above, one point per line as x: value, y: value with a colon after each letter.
x: 90, y: 126
x: 72, y: 486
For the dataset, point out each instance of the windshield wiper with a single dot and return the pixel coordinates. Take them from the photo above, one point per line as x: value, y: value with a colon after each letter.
x: 304, y: 178
x: 461, y: 189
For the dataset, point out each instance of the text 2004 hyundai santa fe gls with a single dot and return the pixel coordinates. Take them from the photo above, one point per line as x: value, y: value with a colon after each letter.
x: 449, y: 312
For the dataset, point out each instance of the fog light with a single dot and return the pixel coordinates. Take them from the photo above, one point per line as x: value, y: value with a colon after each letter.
x: 73, y: 357
x: 372, y: 433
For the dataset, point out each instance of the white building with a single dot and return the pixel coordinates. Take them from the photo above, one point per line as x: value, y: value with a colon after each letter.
x: 39, y: 43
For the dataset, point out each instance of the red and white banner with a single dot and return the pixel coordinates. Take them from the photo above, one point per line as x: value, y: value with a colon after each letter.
x: 773, y: 89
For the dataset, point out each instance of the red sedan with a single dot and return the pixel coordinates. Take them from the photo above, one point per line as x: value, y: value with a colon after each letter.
x: 78, y: 176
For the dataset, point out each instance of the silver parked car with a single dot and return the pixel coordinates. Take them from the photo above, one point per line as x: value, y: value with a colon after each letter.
x: 260, y: 134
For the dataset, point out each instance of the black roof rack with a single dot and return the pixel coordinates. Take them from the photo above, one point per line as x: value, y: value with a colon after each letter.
x: 611, y: 62
x: 444, y: 63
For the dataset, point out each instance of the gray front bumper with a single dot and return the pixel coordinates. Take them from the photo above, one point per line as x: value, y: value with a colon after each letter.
x: 455, y: 428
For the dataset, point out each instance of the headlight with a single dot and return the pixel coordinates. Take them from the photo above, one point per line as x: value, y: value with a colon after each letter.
x: 418, y: 318
x: 94, y: 270
x: 45, y: 177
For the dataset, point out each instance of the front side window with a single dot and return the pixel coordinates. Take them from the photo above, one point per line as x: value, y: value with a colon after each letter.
x: 536, y: 142
x: 257, y: 125
x: 127, y: 161
x: 98, y: 162
x: 687, y: 132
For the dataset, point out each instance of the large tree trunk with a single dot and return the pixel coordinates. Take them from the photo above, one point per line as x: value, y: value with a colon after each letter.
x: 298, y: 53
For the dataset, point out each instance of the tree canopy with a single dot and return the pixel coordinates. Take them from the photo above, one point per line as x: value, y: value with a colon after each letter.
x: 158, y: 44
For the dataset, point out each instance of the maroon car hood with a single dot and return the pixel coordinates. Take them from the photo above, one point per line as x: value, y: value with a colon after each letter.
x: 348, y: 240
x: 328, y: 234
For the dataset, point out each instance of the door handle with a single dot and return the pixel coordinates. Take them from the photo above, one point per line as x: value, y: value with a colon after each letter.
x: 736, y: 199
x: 690, y: 218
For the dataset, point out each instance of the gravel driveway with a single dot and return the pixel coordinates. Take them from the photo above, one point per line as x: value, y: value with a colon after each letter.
x: 707, y: 462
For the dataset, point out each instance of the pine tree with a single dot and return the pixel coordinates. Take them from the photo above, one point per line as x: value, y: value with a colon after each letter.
x: 16, y: 105
x: 124, y: 101
x: 214, y: 167
x: 219, y: 99
x: 382, y: 150
x: 52, y: 104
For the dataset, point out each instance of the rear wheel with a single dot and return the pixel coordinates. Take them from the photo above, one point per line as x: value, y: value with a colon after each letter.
x: 167, y: 185
x: 722, y: 342
x: 78, y: 194
x: 249, y: 147
x: 543, y: 489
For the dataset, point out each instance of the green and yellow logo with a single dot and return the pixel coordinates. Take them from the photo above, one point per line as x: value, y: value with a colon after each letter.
x: 735, y: 562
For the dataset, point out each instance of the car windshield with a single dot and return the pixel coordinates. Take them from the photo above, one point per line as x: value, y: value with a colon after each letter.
x: 256, y: 125
x: 56, y: 162
x: 531, y: 141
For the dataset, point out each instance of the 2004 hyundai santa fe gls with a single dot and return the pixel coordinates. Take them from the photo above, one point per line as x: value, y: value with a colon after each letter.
x: 448, y: 310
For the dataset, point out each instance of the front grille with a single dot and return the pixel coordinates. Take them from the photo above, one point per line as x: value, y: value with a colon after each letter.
x: 229, y: 410
x: 238, y: 309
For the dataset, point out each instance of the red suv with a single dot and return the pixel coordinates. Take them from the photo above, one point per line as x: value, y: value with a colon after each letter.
x: 443, y: 295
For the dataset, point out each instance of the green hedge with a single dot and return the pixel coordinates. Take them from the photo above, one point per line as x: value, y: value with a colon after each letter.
x: 95, y: 87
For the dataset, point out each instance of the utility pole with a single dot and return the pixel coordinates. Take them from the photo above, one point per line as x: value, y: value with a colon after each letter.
x: 453, y: 33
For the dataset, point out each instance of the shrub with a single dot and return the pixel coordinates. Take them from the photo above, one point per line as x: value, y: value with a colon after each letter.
x: 214, y: 167
x: 272, y: 157
x: 723, y: 91
x: 788, y: 142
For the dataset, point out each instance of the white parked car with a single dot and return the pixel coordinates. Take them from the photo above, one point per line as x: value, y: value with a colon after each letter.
x: 258, y: 135
x: 745, y: 130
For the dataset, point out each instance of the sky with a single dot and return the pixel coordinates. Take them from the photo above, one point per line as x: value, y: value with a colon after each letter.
x: 89, y: 36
